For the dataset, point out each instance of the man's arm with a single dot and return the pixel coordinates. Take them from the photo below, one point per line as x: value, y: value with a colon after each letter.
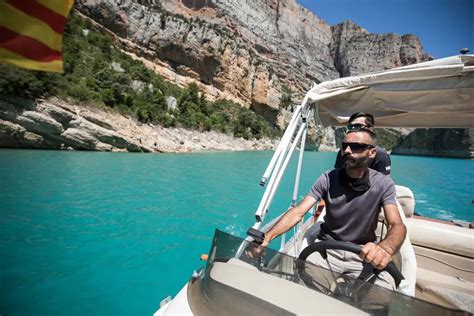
x: 290, y: 219
x: 396, y: 230
x: 379, y: 255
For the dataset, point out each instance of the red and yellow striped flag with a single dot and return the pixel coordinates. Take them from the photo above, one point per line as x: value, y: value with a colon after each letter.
x: 31, y: 33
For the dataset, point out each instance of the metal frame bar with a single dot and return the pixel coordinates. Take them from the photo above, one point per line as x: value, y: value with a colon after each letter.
x: 278, y: 165
x: 298, y: 168
x: 273, y: 184
x: 290, y: 130
x: 300, y: 116
x: 281, y: 171
x: 297, y: 229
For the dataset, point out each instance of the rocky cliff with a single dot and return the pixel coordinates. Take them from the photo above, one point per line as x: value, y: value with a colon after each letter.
x: 355, y: 51
x: 247, y: 51
x: 457, y: 143
x: 56, y: 124
x: 250, y: 52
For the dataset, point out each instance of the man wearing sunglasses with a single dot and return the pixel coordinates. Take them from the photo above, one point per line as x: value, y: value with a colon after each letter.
x: 364, y: 121
x: 354, y: 195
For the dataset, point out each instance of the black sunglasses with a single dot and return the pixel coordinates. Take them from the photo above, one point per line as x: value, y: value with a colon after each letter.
x: 359, y: 127
x: 356, y: 147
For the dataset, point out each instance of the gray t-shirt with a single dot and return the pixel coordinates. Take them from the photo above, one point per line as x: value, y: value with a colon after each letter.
x: 352, y: 215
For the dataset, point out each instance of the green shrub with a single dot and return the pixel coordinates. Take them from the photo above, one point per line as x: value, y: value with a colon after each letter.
x: 285, y: 100
x: 90, y: 76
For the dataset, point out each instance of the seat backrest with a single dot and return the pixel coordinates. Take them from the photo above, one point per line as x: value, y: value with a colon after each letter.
x: 405, y: 260
x: 406, y: 199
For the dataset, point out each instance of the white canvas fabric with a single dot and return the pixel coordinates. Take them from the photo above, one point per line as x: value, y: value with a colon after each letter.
x: 438, y: 93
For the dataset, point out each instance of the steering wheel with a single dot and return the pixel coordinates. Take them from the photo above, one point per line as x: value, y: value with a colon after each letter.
x: 324, y: 245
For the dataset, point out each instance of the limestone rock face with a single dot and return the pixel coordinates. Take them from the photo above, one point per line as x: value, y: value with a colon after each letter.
x: 12, y: 135
x: 356, y: 51
x: 246, y: 50
x: 328, y: 140
x: 56, y: 124
x: 458, y: 143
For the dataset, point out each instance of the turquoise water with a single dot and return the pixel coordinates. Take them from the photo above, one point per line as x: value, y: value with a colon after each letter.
x: 108, y: 233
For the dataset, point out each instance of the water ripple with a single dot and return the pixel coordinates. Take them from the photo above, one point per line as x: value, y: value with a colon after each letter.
x: 88, y: 230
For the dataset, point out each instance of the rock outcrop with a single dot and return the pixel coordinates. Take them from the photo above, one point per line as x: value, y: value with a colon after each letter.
x: 55, y: 124
x: 456, y: 143
x: 247, y: 51
x: 356, y: 51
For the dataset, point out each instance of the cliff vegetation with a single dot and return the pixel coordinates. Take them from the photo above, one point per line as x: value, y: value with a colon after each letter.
x: 97, y: 73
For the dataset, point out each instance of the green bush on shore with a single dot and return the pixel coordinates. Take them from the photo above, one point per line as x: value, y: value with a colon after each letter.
x: 96, y: 72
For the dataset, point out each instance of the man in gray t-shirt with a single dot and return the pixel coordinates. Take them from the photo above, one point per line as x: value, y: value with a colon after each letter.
x: 353, y: 196
x: 352, y: 215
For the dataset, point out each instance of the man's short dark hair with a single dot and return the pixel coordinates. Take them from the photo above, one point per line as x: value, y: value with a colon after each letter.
x: 369, y: 118
x: 372, y: 137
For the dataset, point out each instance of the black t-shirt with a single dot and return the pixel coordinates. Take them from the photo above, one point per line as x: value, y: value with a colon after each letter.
x: 381, y: 162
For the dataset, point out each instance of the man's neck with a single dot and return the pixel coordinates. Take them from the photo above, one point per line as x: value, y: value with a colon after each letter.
x: 356, y: 173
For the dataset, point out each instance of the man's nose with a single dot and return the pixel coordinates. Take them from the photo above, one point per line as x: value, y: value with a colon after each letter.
x: 347, y: 150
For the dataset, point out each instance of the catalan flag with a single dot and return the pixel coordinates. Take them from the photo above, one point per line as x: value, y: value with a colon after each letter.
x: 31, y: 33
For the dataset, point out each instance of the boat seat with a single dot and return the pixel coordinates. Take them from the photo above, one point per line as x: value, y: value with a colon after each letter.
x: 446, y: 290
x: 405, y: 259
x: 444, y: 256
x: 406, y: 200
x: 449, y: 238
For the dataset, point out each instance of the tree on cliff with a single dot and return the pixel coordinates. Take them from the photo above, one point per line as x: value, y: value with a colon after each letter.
x: 97, y: 73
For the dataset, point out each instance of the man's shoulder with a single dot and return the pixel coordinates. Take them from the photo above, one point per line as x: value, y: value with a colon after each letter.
x: 330, y: 175
x: 382, y: 161
x: 381, y: 153
x: 326, y: 180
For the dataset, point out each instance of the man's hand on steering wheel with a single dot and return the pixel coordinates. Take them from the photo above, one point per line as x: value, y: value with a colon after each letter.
x: 325, y: 245
x: 375, y: 255
x: 255, y: 250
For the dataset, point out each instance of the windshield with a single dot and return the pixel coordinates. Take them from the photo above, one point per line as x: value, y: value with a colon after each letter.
x: 273, y: 284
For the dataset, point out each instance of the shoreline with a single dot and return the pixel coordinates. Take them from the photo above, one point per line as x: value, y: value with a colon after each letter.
x: 60, y: 125
x: 57, y: 124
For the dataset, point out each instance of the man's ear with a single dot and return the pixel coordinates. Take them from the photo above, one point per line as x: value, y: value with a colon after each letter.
x: 372, y: 152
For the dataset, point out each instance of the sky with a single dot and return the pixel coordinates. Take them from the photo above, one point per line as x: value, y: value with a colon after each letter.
x: 443, y: 26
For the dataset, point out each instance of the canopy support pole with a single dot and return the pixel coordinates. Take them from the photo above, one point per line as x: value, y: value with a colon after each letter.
x: 297, y: 183
x: 281, y: 171
x: 277, y: 174
x: 289, y: 132
x: 300, y: 162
